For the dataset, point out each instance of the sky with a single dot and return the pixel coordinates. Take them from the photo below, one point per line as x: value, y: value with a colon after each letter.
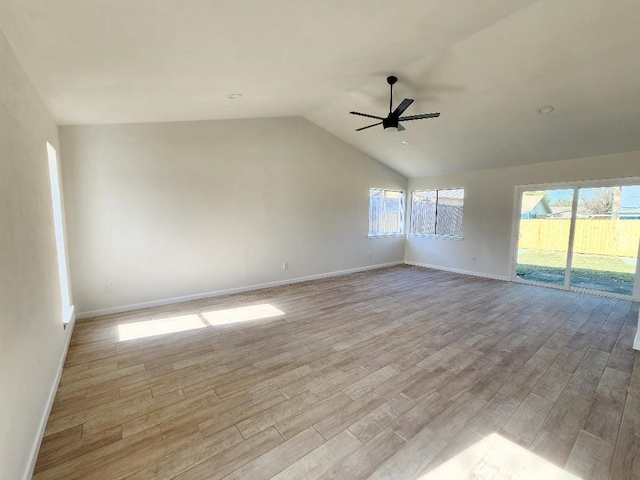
x: 630, y: 196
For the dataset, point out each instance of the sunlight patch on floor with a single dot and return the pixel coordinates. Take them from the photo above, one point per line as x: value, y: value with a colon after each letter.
x: 241, y: 314
x: 161, y: 326
x: 494, y: 457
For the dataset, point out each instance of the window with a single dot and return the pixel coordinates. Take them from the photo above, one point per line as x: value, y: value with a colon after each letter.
x: 56, y: 199
x: 386, y: 212
x: 437, y: 212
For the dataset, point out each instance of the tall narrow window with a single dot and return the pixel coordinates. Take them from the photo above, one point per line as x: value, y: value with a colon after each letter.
x: 386, y: 212
x: 56, y: 198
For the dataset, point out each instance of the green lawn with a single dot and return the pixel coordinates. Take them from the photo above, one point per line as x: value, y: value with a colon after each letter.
x: 595, y: 267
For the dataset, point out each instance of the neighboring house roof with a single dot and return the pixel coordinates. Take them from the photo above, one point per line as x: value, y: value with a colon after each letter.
x: 529, y: 202
x: 629, y: 211
x: 560, y: 211
x: 565, y: 212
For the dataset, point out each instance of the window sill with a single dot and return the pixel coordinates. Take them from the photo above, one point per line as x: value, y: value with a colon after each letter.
x: 440, y: 237
x: 67, y: 316
x: 387, y: 235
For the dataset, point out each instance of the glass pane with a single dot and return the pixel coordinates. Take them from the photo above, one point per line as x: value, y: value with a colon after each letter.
x: 606, y: 239
x: 385, y: 211
x: 376, y: 211
x: 392, y: 212
x: 543, y: 237
x: 449, y: 212
x: 423, y: 212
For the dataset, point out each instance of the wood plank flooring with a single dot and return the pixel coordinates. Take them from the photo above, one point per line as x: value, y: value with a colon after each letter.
x: 396, y: 373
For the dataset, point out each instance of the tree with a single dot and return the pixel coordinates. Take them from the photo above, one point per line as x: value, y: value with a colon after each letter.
x: 601, y: 201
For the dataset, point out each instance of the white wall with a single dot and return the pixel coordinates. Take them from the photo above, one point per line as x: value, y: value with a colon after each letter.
x: 489, y: 206
x: 32, y: 340
x: 174, y: 209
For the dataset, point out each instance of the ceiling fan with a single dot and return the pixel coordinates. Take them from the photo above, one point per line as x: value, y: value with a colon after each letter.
x: 392, y: 122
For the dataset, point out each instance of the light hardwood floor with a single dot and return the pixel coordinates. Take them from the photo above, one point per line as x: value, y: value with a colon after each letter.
x: 396, y: 373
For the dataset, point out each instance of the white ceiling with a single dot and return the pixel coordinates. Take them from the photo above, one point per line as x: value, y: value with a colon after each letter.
x: 487, y: 66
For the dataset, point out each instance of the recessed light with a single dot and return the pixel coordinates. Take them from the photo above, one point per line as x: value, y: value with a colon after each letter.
x: 234, y: 96
x: 404, y: 142
x: 546, y: 109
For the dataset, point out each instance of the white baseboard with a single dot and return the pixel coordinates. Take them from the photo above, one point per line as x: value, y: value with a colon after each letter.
x: 68, y: 326
x: 463, y: 272
x: 217, y: 293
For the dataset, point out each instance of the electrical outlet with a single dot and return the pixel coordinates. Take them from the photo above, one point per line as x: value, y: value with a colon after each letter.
x: 108, y: 288
x: 285, y: 266
x: 473, y: 259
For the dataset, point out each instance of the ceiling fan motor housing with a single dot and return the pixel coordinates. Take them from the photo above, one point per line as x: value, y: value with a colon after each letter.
x: 390, y: 123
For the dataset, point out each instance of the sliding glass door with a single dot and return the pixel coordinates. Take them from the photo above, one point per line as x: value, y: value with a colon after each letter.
x: 605, y: 247
x: 543, y: 238
x: 581, y: 238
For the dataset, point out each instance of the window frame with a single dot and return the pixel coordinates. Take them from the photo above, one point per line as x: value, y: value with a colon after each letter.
x: 435, y: 225
x: 401, y: 213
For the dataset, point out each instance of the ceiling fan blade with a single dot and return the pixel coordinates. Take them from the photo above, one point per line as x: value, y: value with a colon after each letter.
x: 418, y: 117
x: 401, y: 128
x: 366, y: 115
x: 368, y: 126
x: 402, y: 107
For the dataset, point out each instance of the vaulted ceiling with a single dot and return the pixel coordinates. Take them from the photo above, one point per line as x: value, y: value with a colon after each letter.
x: 487, y: 66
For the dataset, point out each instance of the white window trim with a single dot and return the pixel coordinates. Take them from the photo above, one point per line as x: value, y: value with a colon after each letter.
x: 387, y: 235
x: 438, y: 237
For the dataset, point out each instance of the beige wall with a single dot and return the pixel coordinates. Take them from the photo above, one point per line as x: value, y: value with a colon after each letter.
x: 32, y: 340
x: 489, y: 205
x: 169, y: 210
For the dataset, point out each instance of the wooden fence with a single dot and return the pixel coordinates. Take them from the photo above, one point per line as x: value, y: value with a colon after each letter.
x: 598, y: 236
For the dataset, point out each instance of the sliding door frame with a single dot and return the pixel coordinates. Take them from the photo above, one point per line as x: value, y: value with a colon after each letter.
x: 575, y: 186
